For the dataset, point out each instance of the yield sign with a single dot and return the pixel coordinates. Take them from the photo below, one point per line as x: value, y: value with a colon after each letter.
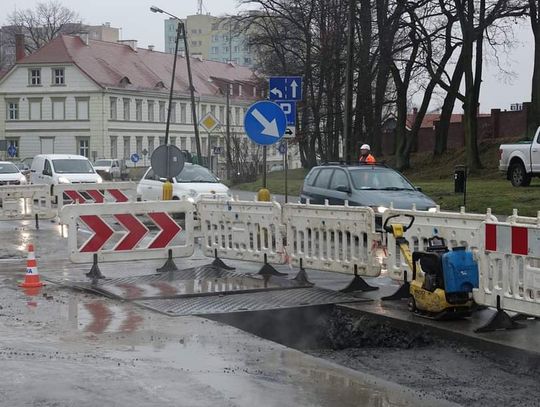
x: 102, y: 233
x: 136, y: 231
x: 169, y: 230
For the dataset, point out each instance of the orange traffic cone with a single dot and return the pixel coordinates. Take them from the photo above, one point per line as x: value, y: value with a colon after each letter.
x: 31, y: 280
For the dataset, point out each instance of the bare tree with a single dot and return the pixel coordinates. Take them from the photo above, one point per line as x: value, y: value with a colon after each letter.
x: 41, y: 24
x: 533, y: 113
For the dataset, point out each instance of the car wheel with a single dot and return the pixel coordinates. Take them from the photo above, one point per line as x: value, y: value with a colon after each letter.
x: 518, y: 175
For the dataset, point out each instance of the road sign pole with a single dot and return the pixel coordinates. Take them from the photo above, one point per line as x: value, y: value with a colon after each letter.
x: 264, y: 167
x: 286, y: 171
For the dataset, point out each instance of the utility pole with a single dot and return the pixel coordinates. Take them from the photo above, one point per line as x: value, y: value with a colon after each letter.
x: 347, y: 113
x: 228, y: 132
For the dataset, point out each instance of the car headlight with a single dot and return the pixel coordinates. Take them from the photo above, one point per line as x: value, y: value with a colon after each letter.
x: 99, y: 180
x: 192, y: 193
x: 190, y: 200
x: 382, y: 209
x: 22, y: 179
x: 63, y: 180
x: 434, y: 209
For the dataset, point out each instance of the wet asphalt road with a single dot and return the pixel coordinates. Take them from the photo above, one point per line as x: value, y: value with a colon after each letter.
x: 65, y: 348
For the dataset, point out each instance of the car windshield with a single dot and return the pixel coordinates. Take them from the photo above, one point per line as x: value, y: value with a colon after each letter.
x: 8, y: 168
x: 379, y: 179
x: 103, y: 163
x: 195, y: 173
x: 68, y: 166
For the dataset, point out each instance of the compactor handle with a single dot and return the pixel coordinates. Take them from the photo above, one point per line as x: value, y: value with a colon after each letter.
x: 388, y: 228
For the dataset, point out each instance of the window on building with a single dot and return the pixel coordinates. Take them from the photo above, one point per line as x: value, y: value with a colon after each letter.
x: 150, y: 145
x: 194, y: 43
x: 113, y: 110
x: 58, y: 108
x: 150, y: 110
x: 183, y: 145
x: 127, y: 106
x: 161, y: 141
x: 183, y: 113
x: 173, y: 112
x: 231, y: 89
x: 239, y: 90
x: 84, y: 147
x: 213, y: 109
x: 173, y: 141
x: 162, y: 117
x: 215, y: 38
x: 138, y: 144
x: 226, y: 49
x: 15, y: 143
x: 83, y: 108
x: 203, y: 146
x: 236, y: 48
x: 254, y: 91
x: 12, y: 110
x: 203, y: 110
x: 225, y: 37
x: 192, y: 145
x: 127, y: 147
x: 114, y: 147
x: 138, y: 110
x: 237, y: 116
x: 58, y: 76
x: 35, y: 109
x: 193, y: 31
x: 34, y: 76
x: 222, y: 114
x: 247, y: 61
x: 215, y: 50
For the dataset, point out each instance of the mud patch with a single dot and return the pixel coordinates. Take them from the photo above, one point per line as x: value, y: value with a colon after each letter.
x: 345, y: 330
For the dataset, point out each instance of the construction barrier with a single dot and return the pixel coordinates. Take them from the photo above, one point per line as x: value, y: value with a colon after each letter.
x: 21, y: 202
x: 94, y: 193
x: 457, y: 228
x: 241, y: 230
x: 509, y: 264
x: 332, y: 238
x: 119, y: 231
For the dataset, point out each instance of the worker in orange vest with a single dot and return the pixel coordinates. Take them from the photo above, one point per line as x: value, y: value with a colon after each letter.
x: 365, y: 155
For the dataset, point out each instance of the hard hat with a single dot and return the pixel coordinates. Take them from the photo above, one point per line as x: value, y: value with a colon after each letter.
x: 365, y: 147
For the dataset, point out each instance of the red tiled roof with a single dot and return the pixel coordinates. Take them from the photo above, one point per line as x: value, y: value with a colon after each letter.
x: 108, y: 62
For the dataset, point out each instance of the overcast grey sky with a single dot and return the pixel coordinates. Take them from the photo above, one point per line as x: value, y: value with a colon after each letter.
x: 137, y: 22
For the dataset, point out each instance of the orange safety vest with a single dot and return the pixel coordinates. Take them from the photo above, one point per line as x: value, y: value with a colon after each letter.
x: 367, y: 159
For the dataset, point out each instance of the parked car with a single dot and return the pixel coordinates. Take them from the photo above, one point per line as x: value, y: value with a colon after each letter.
x: 110, y: 169
x: 10, y: 174
x: 521, y: 161
x: 373, y: 185
x: 54, y: 169
x: 192, y: 183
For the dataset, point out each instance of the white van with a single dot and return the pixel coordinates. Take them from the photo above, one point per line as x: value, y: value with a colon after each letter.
x: 54, y: 169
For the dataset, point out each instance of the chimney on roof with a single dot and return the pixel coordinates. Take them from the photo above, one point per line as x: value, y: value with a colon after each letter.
x: 84, y: 37
x: 107, y: 24
x: 131, y: 43
x: 150, y: 48
x: 19, y: 47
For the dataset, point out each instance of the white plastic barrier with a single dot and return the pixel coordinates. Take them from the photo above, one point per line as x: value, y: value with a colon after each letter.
x: 119, y: 232
x: 94, y: 193
x: 241, y: 230
x: 509, y: 264
x: 457, y: 228
x: 332, y: 238
x: 19, y: 202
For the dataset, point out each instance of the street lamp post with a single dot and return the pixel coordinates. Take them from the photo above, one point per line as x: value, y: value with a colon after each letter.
x: 181, y: 29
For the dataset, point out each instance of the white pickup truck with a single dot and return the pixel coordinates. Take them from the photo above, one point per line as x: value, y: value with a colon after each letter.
x: 521, y: 161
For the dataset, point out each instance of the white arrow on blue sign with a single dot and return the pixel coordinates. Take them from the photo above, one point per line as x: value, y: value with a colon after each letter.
x: 12, y: 150
x: 135, y: 157
x: 285, y: 88
x: 265, y: 123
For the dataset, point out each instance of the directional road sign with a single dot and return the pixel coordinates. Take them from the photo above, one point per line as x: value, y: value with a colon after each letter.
x: 135, y: 157
x: 12, y: 150
x: 282, y: 148
x: 265, y: 122
x: 289, y: 108
x: 285, y: 88
x: 290, y: 132
x: 209, y: 122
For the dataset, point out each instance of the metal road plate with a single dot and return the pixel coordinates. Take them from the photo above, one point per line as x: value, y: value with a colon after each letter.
x: 193, y: 282
x: 259, y: 301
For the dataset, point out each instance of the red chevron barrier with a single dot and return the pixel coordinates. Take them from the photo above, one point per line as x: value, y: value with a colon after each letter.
x: 127, y: 230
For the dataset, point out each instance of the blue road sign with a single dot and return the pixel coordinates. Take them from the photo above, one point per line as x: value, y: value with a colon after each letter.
x: 285, y: 88
x: 282, y: 148
x: 289, y: 108
x: 135, y: 157
x: 265, y: 123
x: 12, y: 150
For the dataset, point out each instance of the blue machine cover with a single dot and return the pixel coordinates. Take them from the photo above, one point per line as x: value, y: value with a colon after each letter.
x: 460, y: 271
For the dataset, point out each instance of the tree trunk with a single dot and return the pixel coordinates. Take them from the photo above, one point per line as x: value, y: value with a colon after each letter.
x: 533, y: 112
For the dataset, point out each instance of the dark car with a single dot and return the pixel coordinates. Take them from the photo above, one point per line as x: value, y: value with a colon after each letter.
x: 373, y: 185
